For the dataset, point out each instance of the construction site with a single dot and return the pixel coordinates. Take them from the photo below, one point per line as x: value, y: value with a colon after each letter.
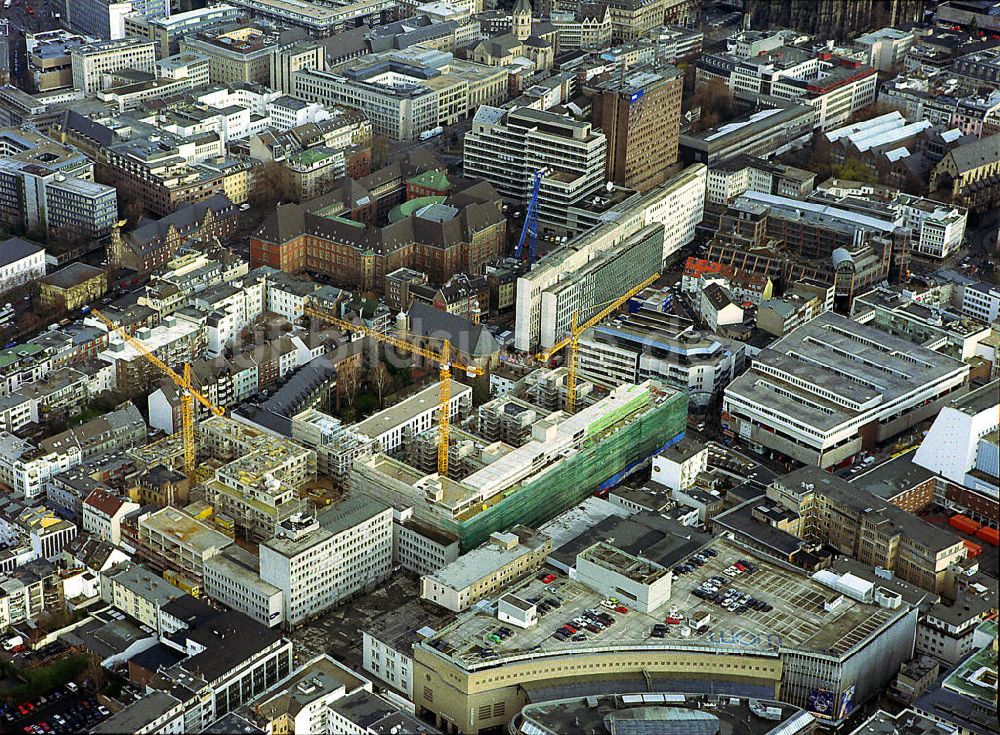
x: 463, y: 472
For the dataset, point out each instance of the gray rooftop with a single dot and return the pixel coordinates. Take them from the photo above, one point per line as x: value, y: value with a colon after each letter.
x: 848, y: 369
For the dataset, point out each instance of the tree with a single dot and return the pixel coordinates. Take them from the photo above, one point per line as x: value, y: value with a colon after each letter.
x: 272, y: 184
x: 716, y: 103
x: 381, y: 380
x: 875, y: 110
x: 854, y: 169
x: 348, y: 380
x: 382, y: 153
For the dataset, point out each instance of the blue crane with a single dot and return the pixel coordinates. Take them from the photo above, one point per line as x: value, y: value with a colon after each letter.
x: 530, y: 230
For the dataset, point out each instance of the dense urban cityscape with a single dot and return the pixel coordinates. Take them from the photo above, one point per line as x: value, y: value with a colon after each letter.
x: 499, y: 367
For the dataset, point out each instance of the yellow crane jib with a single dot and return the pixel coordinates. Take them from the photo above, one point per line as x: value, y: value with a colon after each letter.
x: 189, y: 394
x: 443, y: 359
x: 572, y: 340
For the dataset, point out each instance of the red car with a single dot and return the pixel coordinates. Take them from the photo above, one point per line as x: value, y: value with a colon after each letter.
x: 622, y: 609
x: 548, y: 578
x: 569, y: 628
x: 672, y: 621
x: 740, y: 567
x: 18, y: 649
x: 25, y: 707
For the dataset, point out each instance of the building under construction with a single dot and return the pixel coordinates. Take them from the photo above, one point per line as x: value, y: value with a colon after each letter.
x: 565, y: 458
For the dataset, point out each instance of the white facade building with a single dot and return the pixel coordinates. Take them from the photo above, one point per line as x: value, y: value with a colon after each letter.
x: 412, y: 416
x: 950, y: 447
x: 93, y: 63
x: 317, y: 564
x: 21, y: 262
x: 678, y: 467
x: 982, y: 301
x: 677, y: 205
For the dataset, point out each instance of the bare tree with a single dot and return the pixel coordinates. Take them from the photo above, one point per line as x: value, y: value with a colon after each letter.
x: 381, y: 379
x: 272, y: 183
x: 348, y: 380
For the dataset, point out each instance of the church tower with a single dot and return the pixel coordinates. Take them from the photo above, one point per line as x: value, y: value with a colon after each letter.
x: 521, y: 25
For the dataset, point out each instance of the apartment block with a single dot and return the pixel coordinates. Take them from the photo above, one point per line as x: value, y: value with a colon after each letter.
x: 138, y: 592
x: 318, y: 562
x: 258, y: 476
x: 175, y: 341
x: 831, y: 510
x: 485, y: 571
x: 21, y: 262
x: 94, y: 63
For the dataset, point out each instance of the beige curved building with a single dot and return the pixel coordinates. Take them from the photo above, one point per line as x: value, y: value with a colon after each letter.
x: 816, y: 649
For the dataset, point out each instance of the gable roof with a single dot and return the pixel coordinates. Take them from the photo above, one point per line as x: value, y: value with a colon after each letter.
x: 472, y: 339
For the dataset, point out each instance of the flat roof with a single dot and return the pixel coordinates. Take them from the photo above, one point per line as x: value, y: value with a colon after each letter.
x: 848, y: 369
x: 480, y: 562
x: 797, y: 622
x: 185, y: 530
x: 390, y: 418
x: 655, y: 712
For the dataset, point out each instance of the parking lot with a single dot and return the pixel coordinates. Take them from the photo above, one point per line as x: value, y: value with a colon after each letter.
x: 794, y: 616
x: 61, y: 711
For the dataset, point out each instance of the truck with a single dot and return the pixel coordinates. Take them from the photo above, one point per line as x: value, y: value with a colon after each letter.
x: 13, y: 642
x: 6, y: 4
x: 432, y: 133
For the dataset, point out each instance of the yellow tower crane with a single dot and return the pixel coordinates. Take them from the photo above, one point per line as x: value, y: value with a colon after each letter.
x: 188, y: 392
x: 443, y: 359
x: 572, y: 340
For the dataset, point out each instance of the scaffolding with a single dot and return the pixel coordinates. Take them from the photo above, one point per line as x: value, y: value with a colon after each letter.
x: 603, y: 459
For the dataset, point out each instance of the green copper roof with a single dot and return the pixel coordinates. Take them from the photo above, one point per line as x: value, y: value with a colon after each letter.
x: 404, y: 210
x: 432, y: 179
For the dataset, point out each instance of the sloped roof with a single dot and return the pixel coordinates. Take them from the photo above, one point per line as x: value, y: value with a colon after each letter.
x: 980, y: 153
x: 472, y: 339
x: 14, y: 249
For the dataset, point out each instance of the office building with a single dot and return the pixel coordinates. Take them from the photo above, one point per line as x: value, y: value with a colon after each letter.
x: 94, y: 63
x: 640, y: 116
x: 232, y: 577
x: 442, y: 236
x: 765, y: 133
x: 833, y: 387
x: 320, y: 20
x: 405, y: 92
x: 981, y: 301
x: 236, y: 55
x: 505, y: 559
x: 167, y: 31
x: 735, y: 175
x: 933, y: 326
x: 319, y: 562
x: 294, y: 57
x: 102, y: 18
x: 652, y: 344
x: 547, y: 294
x: 59, y: 206
x: 508, y: 148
